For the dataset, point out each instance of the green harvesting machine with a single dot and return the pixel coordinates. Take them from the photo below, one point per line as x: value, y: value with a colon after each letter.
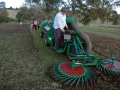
x: 77, y: 46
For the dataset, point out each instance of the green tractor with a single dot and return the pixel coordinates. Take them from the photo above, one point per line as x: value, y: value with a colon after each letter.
x: 76, y: 71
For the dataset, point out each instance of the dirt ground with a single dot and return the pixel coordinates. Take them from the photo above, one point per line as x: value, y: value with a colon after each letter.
x: 20, y: 65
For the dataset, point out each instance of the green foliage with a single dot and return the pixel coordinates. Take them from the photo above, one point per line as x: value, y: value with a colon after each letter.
x: 20, y: 14
x: 35, y: 0
x: 2, y: 5
x: 115, y: 18
x: 44, y: 9
x: 11, y: 8
x: 52, y: 4
x: 84, y: 10
x: 7, y: 20
x: 3, y: 14
x: 94, y: 9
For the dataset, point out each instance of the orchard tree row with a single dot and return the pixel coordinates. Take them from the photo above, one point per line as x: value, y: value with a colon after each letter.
x: 84, y: 11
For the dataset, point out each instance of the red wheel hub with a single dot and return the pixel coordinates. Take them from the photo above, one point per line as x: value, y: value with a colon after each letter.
x: 66, y: 68
x: 64, y: 73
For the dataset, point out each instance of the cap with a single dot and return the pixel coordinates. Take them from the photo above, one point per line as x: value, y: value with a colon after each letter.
x: 63, y: 9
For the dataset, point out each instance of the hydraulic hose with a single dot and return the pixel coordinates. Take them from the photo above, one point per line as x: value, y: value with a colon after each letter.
x: 86, y: 41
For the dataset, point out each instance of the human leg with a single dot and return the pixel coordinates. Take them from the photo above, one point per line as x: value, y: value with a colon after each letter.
x: 31, y: 26
x: 57, y: 34
x: 61, y: 41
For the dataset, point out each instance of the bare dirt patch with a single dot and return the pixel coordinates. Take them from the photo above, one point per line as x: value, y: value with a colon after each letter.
x: 20, y: 65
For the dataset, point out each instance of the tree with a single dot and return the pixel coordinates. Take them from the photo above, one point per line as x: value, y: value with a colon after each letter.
x: 11, y: 8
x: 115, y: 18
x: 88, y: 10
x: 20, y: 14
x: 44, y: 7
x: 3, y: 12
x: 2, y: 5
x: 84, y: 10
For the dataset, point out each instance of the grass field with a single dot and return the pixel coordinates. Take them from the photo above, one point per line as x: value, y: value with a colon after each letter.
x: 24, y: 58
x: 110, y: 31
x: 105, y: 39
x: 12, y: 13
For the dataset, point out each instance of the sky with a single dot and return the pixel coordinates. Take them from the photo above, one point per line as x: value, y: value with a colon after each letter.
x: 13, y: 3
x: 118, y: 10
x: 19, y: 3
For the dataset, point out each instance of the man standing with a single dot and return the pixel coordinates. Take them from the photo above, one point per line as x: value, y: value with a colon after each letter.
x: 59, y: 25
x: 31, y: 24
x: 35, y: 25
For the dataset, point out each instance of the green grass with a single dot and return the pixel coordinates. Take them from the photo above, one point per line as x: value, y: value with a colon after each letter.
x: 48, y: 55
x: 12, y: 13
x: 111, y: 31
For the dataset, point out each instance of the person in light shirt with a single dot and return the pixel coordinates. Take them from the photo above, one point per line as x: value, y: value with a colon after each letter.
x: 59, y: 25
